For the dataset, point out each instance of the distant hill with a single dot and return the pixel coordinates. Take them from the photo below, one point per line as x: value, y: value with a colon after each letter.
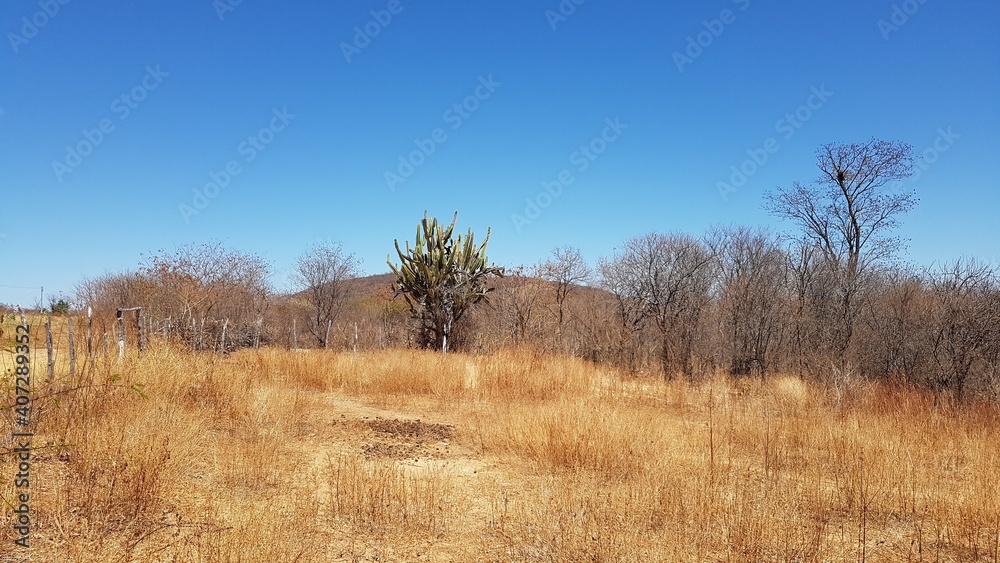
x: 368, y: 286
x: 360, y: 287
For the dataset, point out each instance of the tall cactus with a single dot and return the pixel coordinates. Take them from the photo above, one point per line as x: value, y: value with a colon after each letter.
x: 441, y: 277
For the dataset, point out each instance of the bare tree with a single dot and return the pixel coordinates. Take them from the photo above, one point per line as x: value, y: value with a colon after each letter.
x: 846, y: 215
x: 896, y: 318
x: 666, y: 279
x: 108, y: 292
x: 751, y: 295
x: 565, y: 270
x: 630, y: 308
x: 516, y: 300
x: 324, y: 273
x: 964, y: 321
x: 209, y: 283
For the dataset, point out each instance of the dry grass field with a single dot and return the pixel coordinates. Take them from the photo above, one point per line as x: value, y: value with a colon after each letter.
x: 401, y: 455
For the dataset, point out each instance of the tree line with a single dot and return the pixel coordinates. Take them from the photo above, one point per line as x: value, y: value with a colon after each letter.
x: 829, y: 300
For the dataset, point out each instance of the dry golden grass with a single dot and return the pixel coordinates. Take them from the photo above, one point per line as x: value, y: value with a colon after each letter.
x: 401, y: 455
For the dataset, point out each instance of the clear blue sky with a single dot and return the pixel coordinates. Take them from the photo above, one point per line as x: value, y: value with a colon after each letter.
x: 180, y: 86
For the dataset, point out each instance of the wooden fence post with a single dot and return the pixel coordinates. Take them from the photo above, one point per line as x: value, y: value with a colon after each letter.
x: 326, y: 339
x: 90, y: 343
x: 121, y: 334
x: 222, y: 348
x: 140, y: 332
x: 72, y: 346
x: 295, y: 337
x: 50, y: 367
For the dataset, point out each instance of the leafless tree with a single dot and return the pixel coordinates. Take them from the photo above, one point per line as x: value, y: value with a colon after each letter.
x: 965, y: 321
x: 848, y: 217
x: 517, y: 300
x: 665, y: 279
x: 896, y: 320
x: 324, y: 274
x: 752, y: 271
x: 566, y: 269
x: 108, y: 292
x: 623, y: 284
x: 209, y: 283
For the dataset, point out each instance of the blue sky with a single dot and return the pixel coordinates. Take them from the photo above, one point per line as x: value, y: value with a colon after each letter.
x: 114, y: 114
